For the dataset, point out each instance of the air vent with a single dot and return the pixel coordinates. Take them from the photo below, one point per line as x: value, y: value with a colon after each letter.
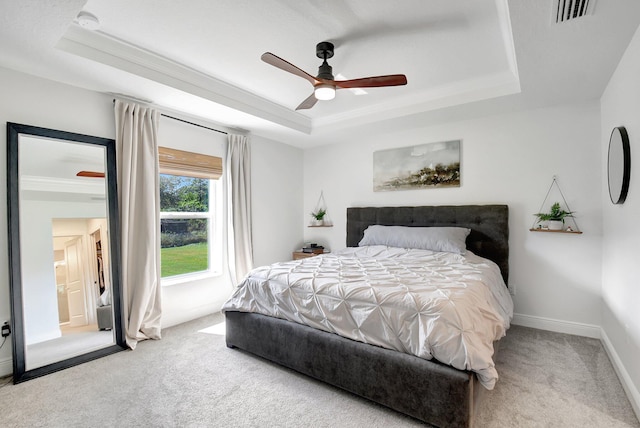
x: 568, y: 10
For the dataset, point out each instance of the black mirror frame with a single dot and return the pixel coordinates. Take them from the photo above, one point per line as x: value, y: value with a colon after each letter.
x: 619, y: 199
x: 20, y: 374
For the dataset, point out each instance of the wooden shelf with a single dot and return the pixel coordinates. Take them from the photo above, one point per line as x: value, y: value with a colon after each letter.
x: 573, y: 232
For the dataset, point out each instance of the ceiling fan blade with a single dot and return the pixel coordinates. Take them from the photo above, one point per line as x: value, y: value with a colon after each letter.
x: 91, y: 174
x: 276, y: 61
x: 373, y: 82
x: 308, y: 103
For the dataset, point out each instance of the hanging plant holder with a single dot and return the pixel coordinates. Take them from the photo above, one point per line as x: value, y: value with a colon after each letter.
x: 555, y: 218
x: 319, y: 216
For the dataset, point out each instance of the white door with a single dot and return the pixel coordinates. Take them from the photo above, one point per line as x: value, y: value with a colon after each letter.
x: 75, y: 284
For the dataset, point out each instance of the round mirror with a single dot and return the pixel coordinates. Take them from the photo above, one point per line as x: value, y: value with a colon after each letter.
x: 619, y: 165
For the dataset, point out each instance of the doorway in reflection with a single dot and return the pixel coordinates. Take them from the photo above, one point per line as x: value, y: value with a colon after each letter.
x: 83, y: 291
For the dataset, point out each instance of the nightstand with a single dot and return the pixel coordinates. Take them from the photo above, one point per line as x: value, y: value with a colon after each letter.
x: 297, y: 255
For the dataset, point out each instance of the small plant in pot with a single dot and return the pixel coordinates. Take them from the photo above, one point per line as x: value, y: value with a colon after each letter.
x: 319, y: 216
x: 555, y: 217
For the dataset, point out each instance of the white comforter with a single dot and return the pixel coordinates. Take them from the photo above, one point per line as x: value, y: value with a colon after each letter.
x: 429, y: 304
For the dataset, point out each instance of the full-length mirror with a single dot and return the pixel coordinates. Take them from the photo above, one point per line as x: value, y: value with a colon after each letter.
x: 64, y: 249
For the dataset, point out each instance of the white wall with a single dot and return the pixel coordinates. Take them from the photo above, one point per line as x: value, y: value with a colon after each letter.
x: 507, y: 159
x: 277, y: 189
x: 620, y: 106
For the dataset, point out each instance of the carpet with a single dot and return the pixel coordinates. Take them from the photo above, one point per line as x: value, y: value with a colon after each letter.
x: 191, y: 379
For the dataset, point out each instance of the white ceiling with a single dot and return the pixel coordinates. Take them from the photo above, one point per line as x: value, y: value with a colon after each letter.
x: 462, y: 58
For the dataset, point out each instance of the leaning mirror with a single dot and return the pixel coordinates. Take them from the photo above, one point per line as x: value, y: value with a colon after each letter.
x: 619, y: 165
x: 64, y: 249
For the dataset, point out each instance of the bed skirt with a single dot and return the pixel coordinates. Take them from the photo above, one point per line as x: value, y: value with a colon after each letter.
x: 427, y: 390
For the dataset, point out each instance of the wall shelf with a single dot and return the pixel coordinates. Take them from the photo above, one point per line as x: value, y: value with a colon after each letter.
x: 321, y: 206
x: 572, y: 232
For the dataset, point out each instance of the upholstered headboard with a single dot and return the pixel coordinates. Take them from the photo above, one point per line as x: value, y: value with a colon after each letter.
x: 489, y: 225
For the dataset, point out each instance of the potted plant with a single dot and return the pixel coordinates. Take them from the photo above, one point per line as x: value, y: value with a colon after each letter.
x: 319, y: 216
x: 555, y: 217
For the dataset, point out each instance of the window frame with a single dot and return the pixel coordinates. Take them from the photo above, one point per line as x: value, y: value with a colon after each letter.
x: 196, y: 165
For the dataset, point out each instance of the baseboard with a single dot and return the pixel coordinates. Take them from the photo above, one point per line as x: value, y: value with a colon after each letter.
x: 632, y: 392
x: 6, y: 367
x: 190, y: 315
x: 559, y: 326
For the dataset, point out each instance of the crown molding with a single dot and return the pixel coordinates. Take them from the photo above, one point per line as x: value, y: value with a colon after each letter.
x: 458, y: 93
x: 506, y: 82
x: 111, y: 51
x: 63, y: 185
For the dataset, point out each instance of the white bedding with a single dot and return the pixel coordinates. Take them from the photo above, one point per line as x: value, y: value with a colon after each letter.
x: 447, y: 306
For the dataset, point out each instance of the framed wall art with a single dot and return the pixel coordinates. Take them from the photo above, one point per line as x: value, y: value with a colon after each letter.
x: 424, y: 166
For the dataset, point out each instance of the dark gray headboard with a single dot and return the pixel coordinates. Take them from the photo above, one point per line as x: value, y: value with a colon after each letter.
x: 489, y: 225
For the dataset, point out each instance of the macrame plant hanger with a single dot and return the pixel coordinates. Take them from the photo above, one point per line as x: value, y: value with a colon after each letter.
x: 322, y: 205
x: 554, y: 182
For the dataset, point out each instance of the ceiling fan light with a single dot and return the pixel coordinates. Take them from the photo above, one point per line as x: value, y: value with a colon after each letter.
x: 325, y: 92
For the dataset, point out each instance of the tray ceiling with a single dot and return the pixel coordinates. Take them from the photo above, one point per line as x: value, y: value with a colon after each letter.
x: 202, y: 58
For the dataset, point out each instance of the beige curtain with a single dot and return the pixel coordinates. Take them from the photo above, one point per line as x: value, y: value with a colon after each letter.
x: 139, y: 199
x: 238, y: 174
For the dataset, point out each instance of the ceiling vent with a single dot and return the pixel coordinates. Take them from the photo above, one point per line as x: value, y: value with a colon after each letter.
x: 568, y: 10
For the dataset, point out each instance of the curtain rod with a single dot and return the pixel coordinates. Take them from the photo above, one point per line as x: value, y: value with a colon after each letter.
x: 190, y: 123
x: 194, y: 124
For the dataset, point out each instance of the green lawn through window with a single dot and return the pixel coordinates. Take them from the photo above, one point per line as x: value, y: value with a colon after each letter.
x: 186, y: 259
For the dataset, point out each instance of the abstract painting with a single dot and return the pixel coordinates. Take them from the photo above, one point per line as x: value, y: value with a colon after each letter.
x: 431, y: 165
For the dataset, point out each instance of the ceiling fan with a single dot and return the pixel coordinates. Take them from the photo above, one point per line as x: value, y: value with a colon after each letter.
x: 324, y: 84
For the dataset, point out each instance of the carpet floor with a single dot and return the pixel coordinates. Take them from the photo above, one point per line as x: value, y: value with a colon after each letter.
x: 191, y: 379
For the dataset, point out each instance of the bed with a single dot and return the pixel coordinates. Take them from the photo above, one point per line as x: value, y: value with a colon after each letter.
x: 426, y: 389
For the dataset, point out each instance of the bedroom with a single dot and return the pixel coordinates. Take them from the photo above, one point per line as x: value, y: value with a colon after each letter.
x: 509, y: 155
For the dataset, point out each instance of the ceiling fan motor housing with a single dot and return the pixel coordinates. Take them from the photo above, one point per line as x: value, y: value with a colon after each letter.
x: 325, y: 71
x: 324, y: 50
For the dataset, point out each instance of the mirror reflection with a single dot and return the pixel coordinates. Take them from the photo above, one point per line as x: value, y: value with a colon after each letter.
x: 65, y: 289
x: 63, y: 228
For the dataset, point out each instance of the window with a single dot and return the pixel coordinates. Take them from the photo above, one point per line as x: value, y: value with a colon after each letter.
x: 187, y: 199
x: 184, y: 225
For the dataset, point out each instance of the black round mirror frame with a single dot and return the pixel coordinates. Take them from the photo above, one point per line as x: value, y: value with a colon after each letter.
x: 619, y: 141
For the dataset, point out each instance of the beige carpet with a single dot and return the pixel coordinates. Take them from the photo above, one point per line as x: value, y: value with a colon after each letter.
x: 190, y: 379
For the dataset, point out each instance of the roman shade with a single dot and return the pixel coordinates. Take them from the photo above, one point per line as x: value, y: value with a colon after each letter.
x: 180, y: 162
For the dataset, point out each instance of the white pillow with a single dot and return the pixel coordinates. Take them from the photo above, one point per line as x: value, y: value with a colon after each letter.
x: 446, y: 239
